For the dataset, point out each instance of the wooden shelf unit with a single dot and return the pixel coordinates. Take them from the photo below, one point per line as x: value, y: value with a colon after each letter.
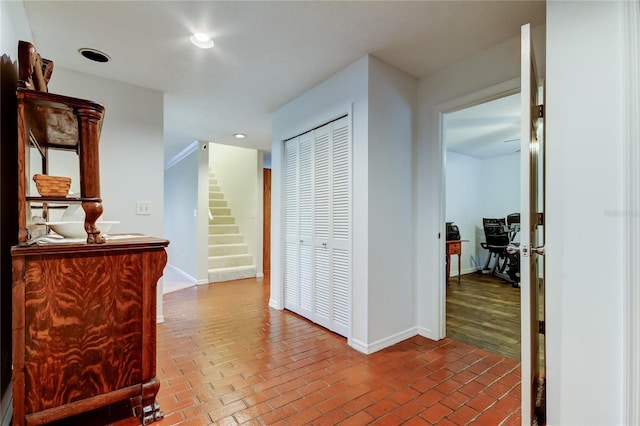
x: 49, y: 121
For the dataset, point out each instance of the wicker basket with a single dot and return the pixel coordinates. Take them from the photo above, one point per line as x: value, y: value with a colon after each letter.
x: 52, y: 186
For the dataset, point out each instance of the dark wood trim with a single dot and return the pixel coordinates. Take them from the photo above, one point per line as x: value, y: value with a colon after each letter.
x: 81, y: 406
x: 266, y: 222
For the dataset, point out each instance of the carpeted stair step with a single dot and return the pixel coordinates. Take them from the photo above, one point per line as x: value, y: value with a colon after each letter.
x: 222, y: 220
x: 217, y: 203
x: 225, y: 239
x: 227, y: 249
x: 220, y: 211
x: 223, y: 229
x: 230, y: 261
x: 233, y: 273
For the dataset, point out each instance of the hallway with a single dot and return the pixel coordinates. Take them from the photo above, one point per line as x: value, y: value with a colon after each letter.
x: 224, y: 357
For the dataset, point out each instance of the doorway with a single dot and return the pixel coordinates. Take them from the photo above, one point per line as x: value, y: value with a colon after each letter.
x: 482, y: 175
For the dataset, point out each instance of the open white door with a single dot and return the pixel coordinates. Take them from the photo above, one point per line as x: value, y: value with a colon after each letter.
x: 532, y: 240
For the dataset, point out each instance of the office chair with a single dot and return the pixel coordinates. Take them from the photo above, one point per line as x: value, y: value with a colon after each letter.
x: 513, y: 271
x: 499, y: 234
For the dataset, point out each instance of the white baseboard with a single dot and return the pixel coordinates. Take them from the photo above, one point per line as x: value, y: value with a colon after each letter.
x: 470, y: 270
x: 259, y: 275
x: 182, y: 273
x: 275, y: 304
x: 160, y: 319
x: 369, y: 348
x: 428, y: 333
x: 7, y: 406
x: 187, y: 276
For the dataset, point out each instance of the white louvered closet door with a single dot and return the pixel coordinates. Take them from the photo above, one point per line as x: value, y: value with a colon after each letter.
x: 340, y: 225
x: 305, y: 208
x: 318, y: 235
x: 322, y: 222
x: 292, y: 244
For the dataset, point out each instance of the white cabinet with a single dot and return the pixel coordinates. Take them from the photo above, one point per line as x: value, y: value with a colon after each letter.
x: 317, y: 281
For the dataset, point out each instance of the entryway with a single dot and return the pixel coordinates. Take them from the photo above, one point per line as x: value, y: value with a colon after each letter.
x: 483, y: 183
x: 531, y: 249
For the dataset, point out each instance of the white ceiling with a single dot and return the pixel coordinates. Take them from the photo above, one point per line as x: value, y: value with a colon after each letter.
x: 266, y: 53
x: 487, y: 130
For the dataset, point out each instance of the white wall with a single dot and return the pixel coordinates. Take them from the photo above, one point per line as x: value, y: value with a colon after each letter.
x: 501, y: 193
x: 478, y: 188
x: 496, y: 66
x: 181, y: 214
x: 131, y: 163
x: 15, y: 27
x: 344, y: 93
x: 239, y: 174
x: 584, y: 241
x: 381, y: 101
x: 392, y: 106
x: 464, y: 191
x: 500, y: 186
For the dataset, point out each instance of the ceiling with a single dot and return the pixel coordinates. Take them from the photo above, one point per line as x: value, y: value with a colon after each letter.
x: 266, y: 52
x: 487, y: 130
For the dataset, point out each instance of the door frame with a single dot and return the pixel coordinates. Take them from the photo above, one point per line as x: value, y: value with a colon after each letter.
x: 631, y: 367
x: 488, y: 94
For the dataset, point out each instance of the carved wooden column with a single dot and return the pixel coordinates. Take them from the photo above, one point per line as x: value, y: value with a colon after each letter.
x: 89, y: 120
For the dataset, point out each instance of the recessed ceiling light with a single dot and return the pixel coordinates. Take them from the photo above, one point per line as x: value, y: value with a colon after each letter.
x: 202, y: 40
x: 239, y: 135
x: 94, y: 54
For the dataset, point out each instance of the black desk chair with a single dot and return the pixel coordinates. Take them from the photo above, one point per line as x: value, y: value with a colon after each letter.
x: 499, y: 235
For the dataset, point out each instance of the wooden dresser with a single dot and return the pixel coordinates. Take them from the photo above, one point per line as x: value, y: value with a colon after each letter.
x: 83, y: 312
x: 84, y: 328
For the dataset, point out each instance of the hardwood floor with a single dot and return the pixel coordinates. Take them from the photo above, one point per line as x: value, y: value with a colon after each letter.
x: 484, y: 311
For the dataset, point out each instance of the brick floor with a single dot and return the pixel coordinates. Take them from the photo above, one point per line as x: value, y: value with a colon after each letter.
x: 225, y: 357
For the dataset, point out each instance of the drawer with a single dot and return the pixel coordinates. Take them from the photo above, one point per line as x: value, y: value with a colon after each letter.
x: 454, y: 247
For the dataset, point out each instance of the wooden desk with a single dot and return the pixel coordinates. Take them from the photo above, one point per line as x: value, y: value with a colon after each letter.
x: 454, y: 247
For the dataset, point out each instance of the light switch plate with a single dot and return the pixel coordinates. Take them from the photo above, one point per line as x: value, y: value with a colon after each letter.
x: 143, y: 207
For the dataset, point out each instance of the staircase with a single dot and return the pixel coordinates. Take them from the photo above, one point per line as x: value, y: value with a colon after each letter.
x: 229, y: 257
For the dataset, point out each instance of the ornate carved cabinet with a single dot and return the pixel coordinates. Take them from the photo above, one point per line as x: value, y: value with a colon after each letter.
x: 84, y: 328
x: 84, y: 314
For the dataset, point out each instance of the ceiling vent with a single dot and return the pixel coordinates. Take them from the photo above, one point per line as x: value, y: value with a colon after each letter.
x: 94, y: 55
